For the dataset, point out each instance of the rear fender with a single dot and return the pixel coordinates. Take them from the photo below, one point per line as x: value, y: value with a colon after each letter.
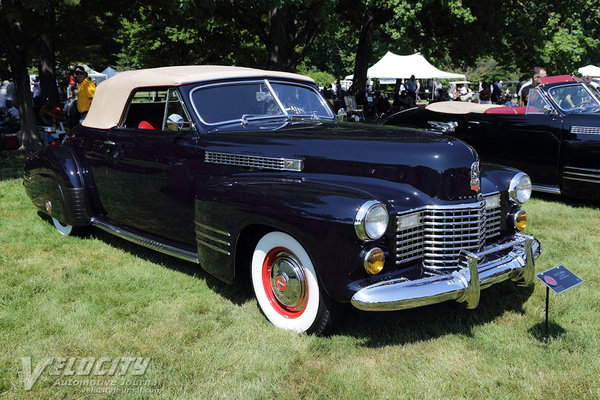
x: 53, y: 180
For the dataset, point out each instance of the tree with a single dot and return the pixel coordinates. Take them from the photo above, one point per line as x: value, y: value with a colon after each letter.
x: 16, y: 27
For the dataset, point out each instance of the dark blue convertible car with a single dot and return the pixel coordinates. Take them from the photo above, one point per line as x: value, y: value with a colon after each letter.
x: 248, y: 174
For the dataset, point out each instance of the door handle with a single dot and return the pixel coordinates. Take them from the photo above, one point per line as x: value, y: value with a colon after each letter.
x: 109, y: 142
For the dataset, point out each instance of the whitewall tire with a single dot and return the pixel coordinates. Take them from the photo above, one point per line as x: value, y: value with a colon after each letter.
x: 63, y: 228
x: 286, y: 285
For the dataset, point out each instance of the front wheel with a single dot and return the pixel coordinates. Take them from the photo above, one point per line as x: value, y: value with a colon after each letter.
x: 286, y: 286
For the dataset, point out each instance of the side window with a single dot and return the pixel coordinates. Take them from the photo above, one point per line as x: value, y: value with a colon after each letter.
x: 157, y: 109
x: 536, y: 103
x: 177, y: 117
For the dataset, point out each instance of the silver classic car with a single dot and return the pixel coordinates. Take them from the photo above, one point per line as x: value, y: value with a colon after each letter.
x: 249, y: 174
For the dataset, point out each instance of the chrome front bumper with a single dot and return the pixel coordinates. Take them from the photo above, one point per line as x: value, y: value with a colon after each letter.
x: 513, y: 259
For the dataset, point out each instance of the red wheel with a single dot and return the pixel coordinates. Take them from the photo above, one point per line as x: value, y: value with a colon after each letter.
x: 284, y: 282
x: 286, y: 286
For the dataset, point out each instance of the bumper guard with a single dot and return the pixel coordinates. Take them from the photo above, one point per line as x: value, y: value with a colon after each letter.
x: 512, y: 259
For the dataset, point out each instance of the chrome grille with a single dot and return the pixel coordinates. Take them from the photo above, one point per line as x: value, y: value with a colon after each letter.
x: 492, y: 223
x: 409, y: 244
x: 442, y: 232
x: 447, y: 232
x: 242, y: 160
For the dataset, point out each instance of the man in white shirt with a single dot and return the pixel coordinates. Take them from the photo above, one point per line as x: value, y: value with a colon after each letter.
x: 535, y: 81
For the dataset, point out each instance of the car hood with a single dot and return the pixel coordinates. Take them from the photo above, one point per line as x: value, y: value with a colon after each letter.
x: 436, y: 165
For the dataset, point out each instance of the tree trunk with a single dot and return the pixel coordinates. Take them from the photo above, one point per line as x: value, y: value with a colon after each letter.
x: 280, y: 40
x: 44, y: 46
x: 13, y: 40
x: 363, y: 52
x: 31, y: 139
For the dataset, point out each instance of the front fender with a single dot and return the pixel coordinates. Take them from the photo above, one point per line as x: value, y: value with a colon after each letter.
x: 319, y: 214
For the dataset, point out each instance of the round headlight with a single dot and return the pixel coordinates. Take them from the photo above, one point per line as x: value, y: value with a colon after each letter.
x: 371, y: 220
x: 520, y: 188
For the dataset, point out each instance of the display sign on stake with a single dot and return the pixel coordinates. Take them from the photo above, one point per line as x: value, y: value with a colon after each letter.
x: 559, y: 279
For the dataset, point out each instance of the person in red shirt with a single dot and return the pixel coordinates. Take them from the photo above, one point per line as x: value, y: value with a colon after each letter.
x: 51, y: 114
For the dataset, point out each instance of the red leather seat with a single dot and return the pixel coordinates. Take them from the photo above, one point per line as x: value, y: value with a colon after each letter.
x: 506, y: 110
x: 145, y: 125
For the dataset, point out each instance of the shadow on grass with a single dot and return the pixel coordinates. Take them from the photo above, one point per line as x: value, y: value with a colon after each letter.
x: 538, y: 331
x: 11, y: 164
x: 421, y: 324
x: 569, y: 201
x: 238, y: 293
x: 379, y: 329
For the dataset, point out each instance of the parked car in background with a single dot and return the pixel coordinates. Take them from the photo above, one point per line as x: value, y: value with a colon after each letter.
x: 555, y: 139
x: 248, y: 174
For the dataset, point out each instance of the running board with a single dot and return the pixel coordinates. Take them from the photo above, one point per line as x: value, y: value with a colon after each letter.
x: 164, y: 246
x: 546, y: 189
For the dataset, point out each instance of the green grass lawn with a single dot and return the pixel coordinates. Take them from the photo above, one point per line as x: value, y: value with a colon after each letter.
x: 101, y: 296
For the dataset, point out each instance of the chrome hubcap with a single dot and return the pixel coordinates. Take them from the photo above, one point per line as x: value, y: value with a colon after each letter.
x: 288, y: 281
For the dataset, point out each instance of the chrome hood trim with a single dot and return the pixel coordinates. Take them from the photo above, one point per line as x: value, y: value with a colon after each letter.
x: 585, y: 130
x: 242, y: 160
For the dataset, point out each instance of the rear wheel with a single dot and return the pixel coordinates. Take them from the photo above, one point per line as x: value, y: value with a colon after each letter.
x: 286, y: 286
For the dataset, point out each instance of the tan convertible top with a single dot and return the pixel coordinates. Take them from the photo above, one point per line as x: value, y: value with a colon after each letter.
x: 459, y: 107
x: 112, y: 94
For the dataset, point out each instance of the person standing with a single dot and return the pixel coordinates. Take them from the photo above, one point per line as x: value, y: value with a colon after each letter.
x: 85, y: 91
x: 411, y: 87
x: 536, y: 74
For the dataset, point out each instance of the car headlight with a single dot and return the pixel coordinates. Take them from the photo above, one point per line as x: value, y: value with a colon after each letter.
x: 371, y: 220
x: 520, y: 188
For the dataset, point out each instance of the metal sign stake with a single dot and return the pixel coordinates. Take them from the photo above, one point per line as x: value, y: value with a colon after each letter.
x: 547, y: 304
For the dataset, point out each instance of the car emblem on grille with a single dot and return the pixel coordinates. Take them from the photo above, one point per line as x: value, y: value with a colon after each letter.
x: 475, y: 182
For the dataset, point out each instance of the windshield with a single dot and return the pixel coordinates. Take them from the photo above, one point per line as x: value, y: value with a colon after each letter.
x: 575, y: 98
x: 243, y: 101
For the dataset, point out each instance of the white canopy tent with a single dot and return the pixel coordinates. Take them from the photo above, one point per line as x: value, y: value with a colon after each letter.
x: 393, y: 66
x: 109, y: 72
x: 590, y: 70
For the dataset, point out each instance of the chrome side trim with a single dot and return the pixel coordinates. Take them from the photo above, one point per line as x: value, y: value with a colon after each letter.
x: 591, y: 175
x: 513, y: 259
x: 210, y: 228
x: 242, y: 160
x: 215, y: 248
x: 146, y: 241
x: 219, y: 244
x: 546, y: 189
x: 585, y: 130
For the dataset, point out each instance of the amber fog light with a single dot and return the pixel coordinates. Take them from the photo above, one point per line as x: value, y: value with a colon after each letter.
x: 374, y: 260
x: 520, y: 220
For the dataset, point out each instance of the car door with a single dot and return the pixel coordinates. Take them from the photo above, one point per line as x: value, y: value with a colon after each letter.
x: 530, y: 142
x: 153, y: 158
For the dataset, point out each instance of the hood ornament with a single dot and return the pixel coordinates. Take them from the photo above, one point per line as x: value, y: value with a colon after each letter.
x: 475, y: 181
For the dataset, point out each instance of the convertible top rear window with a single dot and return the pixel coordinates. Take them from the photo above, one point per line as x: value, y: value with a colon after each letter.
x: 231, y: 102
